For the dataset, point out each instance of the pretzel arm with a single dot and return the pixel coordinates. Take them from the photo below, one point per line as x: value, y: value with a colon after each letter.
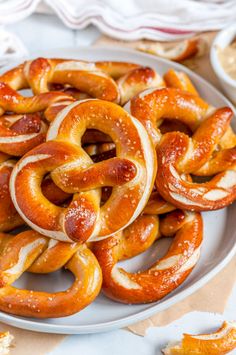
x: 112, y: 172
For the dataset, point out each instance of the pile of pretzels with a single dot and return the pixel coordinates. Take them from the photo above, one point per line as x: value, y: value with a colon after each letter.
x: 101, y: 161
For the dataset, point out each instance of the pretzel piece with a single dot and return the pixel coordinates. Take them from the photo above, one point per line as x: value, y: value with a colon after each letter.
x: 178, y: 52
x: 131, y: 174
x: 220, y: 342
x: 23, y: 250
x: 5, y: 342
x: 11, y: 100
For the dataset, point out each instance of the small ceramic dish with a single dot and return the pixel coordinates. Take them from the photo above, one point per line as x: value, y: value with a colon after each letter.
x: 223, y: 39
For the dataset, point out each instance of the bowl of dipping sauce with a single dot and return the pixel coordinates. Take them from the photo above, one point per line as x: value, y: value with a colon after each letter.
x: 223, y: 60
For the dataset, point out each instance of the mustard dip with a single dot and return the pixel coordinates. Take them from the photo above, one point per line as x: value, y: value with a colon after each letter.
x: 227, y: 57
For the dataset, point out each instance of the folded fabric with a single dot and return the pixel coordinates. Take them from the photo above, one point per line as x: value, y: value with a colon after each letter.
x: 132, y: 19
x: 11, y: 48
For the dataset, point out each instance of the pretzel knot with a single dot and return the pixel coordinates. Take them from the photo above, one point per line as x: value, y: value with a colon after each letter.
x: 164, y: 275
x: 190, y: 155
x: 131, y: 174
x: 30, y: 251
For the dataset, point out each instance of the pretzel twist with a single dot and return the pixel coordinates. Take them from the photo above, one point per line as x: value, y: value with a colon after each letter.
x: 192, y: 153
x: 131, y: 174
x: 30, y: 251
x: 162, y: 277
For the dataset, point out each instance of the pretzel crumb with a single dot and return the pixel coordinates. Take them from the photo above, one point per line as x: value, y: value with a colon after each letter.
x: 5, y: 342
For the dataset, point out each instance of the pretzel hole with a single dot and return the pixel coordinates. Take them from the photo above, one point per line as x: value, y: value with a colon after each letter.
x: 200, y: 179
x: 25, y: 92
x: 97, y: 143
x: 53, y: 193
x: 68, y: 89
x: 56, y: 281
x: 168, y: 125
x: 94, y: 136
x: 146, y: 259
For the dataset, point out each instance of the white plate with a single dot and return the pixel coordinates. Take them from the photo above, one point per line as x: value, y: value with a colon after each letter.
x: 218, y: 248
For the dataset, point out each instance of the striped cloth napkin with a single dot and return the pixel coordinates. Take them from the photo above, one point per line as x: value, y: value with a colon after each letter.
x: 161, y: 20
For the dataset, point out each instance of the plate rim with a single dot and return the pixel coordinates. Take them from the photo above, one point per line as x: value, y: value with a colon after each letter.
x: 164, y: 304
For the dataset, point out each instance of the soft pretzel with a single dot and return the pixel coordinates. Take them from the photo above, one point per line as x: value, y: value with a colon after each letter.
x: 152, y: 106
x: 178, y: 52
x: 93, y: 79
x: 31, y: 251
x: 191, y: 154
x: 131, y: 174
x: 220, y: 342
x: 162, y: 277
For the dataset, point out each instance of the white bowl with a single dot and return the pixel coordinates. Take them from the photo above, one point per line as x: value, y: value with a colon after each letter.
x: 223, y: 39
